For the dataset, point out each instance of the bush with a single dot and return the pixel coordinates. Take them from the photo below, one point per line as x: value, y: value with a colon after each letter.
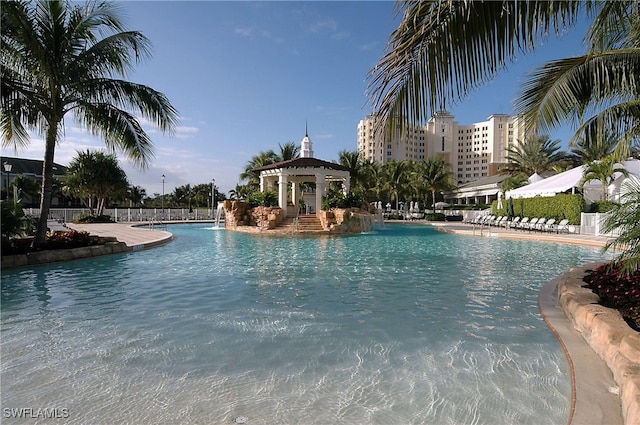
x: 559, y: 207
x: 602, y: 206
x: 434, y: 217
x: 66, y: 240
x: 263, y: 199
x: 337, y: 199
x: 91, y: 218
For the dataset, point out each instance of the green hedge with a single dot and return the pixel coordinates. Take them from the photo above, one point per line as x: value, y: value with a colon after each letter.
x: 559, y: 207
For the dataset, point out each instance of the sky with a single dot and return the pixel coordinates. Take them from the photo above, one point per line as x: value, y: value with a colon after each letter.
x: 248, y: 76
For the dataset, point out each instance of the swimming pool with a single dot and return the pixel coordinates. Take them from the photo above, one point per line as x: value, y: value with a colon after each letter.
x: 404, y: 325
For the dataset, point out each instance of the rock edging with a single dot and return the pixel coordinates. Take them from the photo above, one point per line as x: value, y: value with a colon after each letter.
x: 58, y: 255
x: 607, y: 334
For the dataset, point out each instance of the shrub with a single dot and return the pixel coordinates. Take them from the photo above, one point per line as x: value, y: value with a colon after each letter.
x: 337, y: 199
x: 602, y: 206
x: 91, y: 218
x: 70, y: 239
x: 559, y: 207
x: 434, y: 217
x: 267, y: 198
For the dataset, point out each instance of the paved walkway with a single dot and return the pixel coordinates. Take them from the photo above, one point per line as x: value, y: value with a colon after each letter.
x: 591, y: 378
x: 133, y: 235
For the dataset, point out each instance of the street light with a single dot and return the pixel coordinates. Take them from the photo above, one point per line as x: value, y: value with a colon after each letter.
x: 162, y: 199
x: 7, y: 169
x: 213, y: 194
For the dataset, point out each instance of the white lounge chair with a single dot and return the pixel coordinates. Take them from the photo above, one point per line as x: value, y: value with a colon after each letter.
x: 563, y: 226
x: 513, y: 223
x: 531, y: 224
x: 550, y: 225
x: 523, y: 223
x: 540, y: 224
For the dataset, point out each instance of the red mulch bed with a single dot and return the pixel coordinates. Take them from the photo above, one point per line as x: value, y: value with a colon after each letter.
x: 617, y: 290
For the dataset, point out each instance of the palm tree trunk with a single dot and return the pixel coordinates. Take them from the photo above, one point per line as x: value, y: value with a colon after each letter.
x: 47, y: 184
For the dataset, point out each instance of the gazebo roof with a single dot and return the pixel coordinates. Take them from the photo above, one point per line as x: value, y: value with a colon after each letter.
x: 303, y: 163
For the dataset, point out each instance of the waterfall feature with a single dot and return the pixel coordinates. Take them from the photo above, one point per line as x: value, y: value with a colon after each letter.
x: 219, y: 214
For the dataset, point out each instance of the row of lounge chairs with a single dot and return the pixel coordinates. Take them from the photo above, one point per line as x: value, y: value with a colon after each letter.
x: 540, y: 224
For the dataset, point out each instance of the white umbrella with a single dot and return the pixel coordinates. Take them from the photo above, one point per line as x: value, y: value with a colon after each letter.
x: 417, y: 207
x: 499, y: 200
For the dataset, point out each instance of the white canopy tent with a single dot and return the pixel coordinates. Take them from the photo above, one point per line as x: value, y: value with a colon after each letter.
x: 570, y: 180
x: 551, y: 186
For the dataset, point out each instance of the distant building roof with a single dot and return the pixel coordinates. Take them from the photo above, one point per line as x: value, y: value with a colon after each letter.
x: 30, y: 167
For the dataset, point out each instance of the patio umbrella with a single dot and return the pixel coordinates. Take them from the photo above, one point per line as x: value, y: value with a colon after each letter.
x: 510, y: 211
x: 500, y: 206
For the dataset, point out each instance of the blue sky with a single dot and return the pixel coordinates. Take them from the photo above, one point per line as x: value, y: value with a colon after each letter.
x: 247, y: 76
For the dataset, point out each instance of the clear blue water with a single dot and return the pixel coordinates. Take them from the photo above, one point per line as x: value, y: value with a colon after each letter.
x: 405, y: 325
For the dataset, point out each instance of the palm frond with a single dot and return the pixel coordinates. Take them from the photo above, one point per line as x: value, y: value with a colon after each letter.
x: 442, y: 50
x: 120, y: 130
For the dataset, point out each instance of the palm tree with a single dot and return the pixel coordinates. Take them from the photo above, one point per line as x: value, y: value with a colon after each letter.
x: 534, y: 155
x: 260, y: 160
x: 603, y: 170
x: 396, y: 179
x: 59, y: 59
x: 443, y: 50
x: 588, y: 149
x: 434, y: 175
x: 135, y: 195
x: 288, y: 151
x: 624, y: 218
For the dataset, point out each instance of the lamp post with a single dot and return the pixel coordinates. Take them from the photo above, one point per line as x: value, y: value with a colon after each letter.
x: 213, y: 196
x: 7, y: 169
x: 162, y: 199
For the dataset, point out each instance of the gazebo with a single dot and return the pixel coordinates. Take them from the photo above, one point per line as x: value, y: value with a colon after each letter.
x: 304, y: 169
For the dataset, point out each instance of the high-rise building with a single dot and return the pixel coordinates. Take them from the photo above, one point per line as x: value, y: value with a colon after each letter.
x: 473, y: 151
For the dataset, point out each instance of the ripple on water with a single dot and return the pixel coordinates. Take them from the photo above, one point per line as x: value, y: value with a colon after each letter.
x: 401, y: 326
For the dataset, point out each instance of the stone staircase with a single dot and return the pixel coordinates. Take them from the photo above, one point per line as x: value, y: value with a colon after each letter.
x: 306, y: 224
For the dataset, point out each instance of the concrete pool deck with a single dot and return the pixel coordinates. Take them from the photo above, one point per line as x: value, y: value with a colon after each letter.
x: 595, y: 393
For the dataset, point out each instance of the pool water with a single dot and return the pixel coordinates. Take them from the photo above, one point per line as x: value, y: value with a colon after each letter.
x: 404, y: 325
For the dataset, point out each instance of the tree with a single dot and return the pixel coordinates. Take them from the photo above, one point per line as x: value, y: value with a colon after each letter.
x: 59, y: 59
x: 95, y: 177
x: 588, y: 149
x: 434, y: 175
x: 135, y: 195
x: 396, y: 179
x: 443, y: 50
x: 534, y: 155
x: 288, y: 151
x: 624, y: 219
x: 260, y: 160
x: 603, y: 170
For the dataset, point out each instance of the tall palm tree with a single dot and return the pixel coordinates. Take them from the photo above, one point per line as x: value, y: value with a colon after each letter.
x: 396, y: 179
x: 434, y: 175
x: 603, y: 170
x: 59, y: 59
x: 534, y: 155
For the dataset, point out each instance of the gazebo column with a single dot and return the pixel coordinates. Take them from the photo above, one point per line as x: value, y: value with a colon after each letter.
x: 346, y: 185
x: 320, y: 189
x: 294, y: 195
x: 262, y: 183
x: 282, y: 193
